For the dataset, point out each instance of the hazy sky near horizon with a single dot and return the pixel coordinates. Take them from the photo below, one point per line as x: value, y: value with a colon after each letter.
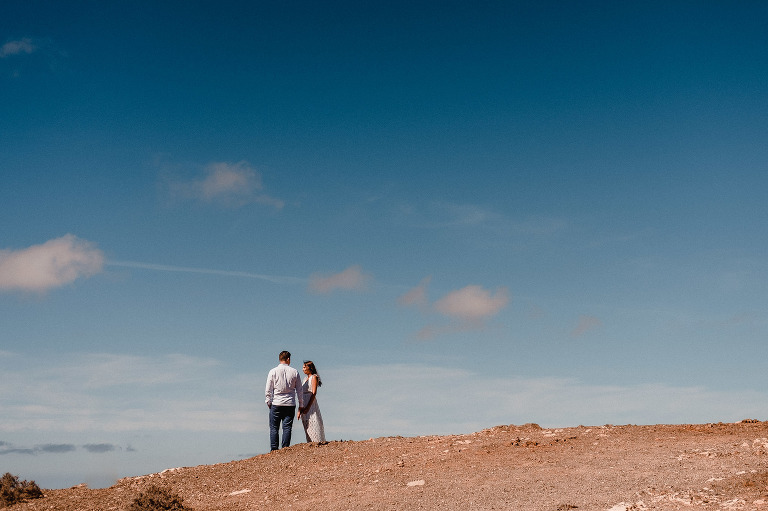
x: 466, y: 213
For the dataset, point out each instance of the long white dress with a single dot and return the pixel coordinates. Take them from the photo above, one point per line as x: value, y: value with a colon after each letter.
x: 312, y: 420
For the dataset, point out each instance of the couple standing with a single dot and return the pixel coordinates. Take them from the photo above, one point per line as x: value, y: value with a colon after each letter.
x: 282, y: 383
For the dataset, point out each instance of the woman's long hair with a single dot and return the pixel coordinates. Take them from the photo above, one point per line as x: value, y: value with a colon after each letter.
x: 311, y: 366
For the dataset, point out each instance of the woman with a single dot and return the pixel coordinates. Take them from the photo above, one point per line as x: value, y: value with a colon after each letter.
x: 310, y: 414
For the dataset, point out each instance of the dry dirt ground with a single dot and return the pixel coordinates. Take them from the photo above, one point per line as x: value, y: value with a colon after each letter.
x: 617, y: 468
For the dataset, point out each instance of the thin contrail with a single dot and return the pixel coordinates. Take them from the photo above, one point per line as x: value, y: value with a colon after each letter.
x: 226, y: 273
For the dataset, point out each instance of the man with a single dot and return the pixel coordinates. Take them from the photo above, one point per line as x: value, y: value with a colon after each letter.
x: 282, y: 383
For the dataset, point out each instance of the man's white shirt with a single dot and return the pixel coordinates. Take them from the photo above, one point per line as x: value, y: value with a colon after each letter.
x: 283, y: 384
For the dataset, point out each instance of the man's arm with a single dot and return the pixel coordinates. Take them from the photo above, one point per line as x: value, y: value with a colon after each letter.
x: 299, y: 393
x: 269, y: 390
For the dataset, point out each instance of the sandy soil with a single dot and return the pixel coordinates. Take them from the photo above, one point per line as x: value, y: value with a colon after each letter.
x: 617, y: 468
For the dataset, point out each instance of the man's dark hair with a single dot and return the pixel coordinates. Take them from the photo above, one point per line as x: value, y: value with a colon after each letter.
x: 285, y: 355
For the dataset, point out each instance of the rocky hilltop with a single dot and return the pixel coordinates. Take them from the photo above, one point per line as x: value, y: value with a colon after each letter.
x: 616, y: 468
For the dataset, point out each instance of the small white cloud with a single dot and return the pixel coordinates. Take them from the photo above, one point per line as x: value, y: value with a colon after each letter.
x: 224, y: 179
x: 234, y: 184
x: 585, y: 324
x: 472, y: 304
x: 53, y: 264
x: 416, y: 296
x: 17, y: 48
x: 467, y: 308
x: 351, y: 279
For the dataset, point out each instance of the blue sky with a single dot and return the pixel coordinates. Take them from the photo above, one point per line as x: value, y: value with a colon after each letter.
x: 467, y: 214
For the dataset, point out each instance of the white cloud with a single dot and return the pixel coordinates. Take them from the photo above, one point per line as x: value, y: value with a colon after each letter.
x: 225, y: 180
x: 416, y: 296
x: 112, y: 392
x: 467, y: 308
x: 17, y: 47
x: 351, y: 279
x: 416, y: 399
x: 53, y: 264
x: 472, y: 304
x: 233, y: 184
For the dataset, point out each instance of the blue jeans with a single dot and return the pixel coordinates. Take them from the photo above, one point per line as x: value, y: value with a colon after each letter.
x: 277, y: 415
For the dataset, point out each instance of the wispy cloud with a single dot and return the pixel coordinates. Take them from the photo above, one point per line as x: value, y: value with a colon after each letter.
x: 114, y: 392
x: 7, y: 448
x: 17, y: 47
x: 397, y: 408
x: 57, y: 448
x: 472, y: 304
x: 468, y: 308
x: 202, y: 395
x: 416, y: 296
x: 448, y: 214
x: 351, y: 279
x: 585, y: 324
x: 230, y: 184
x: 442, y: 215
x: 207, y: 271
x: 99, y: 448
x: 53, y: 264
